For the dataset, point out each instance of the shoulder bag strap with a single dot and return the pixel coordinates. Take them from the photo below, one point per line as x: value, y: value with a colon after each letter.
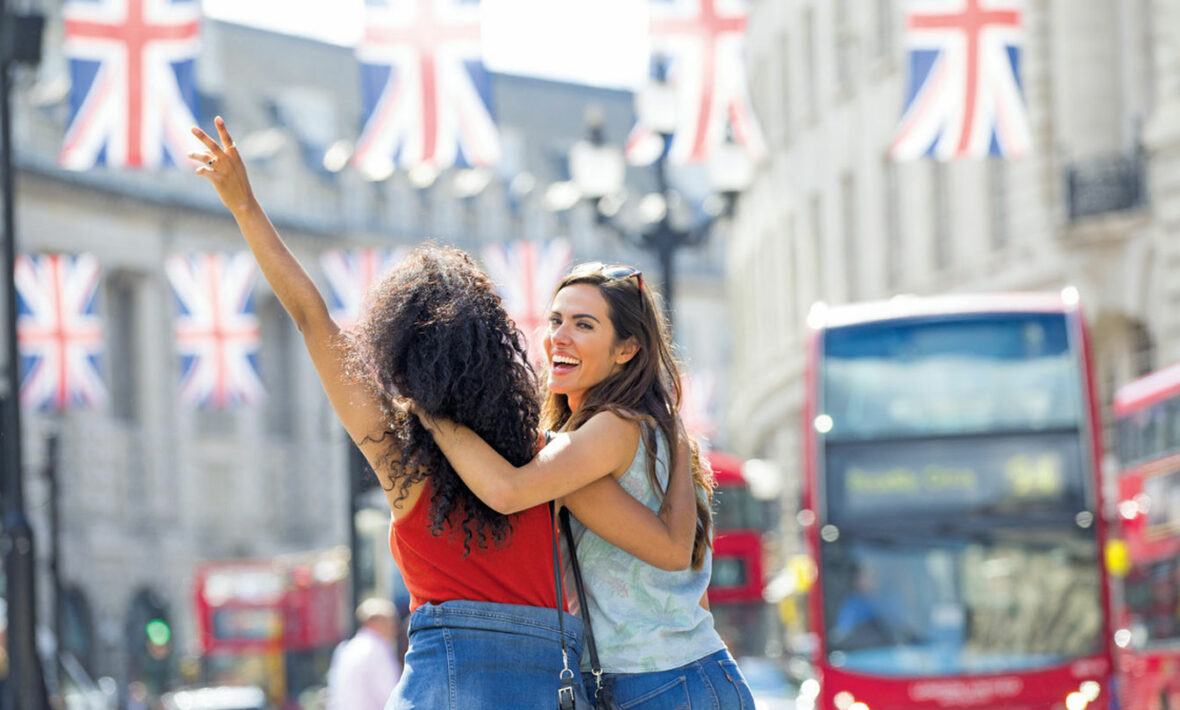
x: 565, y: 689
x: 587, y: 630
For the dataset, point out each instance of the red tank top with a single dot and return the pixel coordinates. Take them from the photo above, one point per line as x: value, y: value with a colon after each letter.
x: 520, y: 571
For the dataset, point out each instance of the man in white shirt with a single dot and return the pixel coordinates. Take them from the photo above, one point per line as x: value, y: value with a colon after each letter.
x: 364, y: 668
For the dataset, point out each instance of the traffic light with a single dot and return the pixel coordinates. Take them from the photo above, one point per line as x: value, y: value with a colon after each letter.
x: 149, y: 632
x: 159, y: 636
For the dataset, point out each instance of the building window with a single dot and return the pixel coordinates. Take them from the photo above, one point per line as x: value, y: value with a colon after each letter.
x: 790, y: 298
x: 784, y: 88
x: 471, y: 221
x: 885, y: 19
x: 276, y: 361
x: 426, y: 218
x: 815, y: 216
x: 942, y: 215
x: 122, y: 344
x: 812, y: 61
x: 848, y: 226
x: 1144, y: 350
x: 893, y: 249
x: 845, y: 37
x: 997, y: 176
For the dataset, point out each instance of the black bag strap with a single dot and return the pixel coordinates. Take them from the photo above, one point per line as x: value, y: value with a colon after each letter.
x: 587, y: 630
x: 565, y: 688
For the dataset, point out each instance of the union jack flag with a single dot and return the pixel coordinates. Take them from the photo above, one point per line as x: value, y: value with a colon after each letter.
x: 133, y: 95
x: 425, y: 90
x: 964, y: 97
x: 216, y: 329
x: 700, y: 45
x: 351, y: 272
x: 526, y: 274
x: 59, y: 331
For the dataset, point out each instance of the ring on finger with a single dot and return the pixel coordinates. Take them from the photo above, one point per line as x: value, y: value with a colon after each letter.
x: 209, y: 162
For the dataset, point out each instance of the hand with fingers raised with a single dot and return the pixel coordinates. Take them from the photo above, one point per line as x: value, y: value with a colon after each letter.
x: 222, y: 165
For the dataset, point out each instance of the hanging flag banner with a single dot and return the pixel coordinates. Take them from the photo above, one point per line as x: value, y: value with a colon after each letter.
x: 526, y: 273
x: 964, y: 97
x: 216, y: 329
x: 59, y: 332
x: 698, y: 47
x: 351, y: 273
x: 133, y: 94
x: 424, y: 87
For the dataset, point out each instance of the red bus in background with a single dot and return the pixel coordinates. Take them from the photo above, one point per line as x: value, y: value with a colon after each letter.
x: 952, y: 505
x: 273, y: 623
x: 740, y: 520
x: 1147, y: 413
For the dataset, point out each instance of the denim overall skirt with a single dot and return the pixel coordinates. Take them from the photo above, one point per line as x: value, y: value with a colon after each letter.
x: 466, y: 655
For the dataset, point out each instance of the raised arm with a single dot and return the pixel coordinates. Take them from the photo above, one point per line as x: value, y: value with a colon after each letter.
x: 665, y: 540
x: 358, y: 409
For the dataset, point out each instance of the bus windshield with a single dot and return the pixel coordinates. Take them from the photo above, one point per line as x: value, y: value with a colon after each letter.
x: 937, y: 376
x: 994, y: 602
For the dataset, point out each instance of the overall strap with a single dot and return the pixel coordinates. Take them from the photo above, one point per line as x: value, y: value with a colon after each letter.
x: 587, y: 629
x: 565, y: 690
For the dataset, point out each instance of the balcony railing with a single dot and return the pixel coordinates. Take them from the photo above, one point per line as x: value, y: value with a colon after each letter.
x: 1112, y: 183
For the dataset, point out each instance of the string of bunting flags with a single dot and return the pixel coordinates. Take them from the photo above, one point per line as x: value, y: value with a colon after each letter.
x: 425, y: 90
x: 215, y: 322
x: 427, y: 98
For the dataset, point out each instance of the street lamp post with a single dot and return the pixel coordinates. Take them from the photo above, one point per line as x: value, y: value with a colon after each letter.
x: 20, y: 41
x: 598, y: 170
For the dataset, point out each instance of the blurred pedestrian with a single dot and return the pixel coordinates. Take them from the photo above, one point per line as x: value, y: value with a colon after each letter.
x: 365, y: 668
x: 611, y: 407
x: 485, y: 631
x: 5, y: 701
x: 137, y: 695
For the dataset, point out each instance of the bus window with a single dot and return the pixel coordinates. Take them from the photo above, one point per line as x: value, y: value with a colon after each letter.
x: 1153, y: 603
x: 933, y: 377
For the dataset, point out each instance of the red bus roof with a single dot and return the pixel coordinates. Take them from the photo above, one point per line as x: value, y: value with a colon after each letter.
x: 1147, y: 390
x: 727, y: 469
x: 918, y: 306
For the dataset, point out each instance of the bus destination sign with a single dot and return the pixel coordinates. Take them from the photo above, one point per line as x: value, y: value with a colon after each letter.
x: 954, y: 475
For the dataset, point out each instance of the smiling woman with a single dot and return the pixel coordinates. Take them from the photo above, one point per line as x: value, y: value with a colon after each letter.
x: 611, y: 409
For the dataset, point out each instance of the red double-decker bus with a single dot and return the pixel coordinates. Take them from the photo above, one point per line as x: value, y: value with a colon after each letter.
x: 273, y: 622
x: 740, y: 522
x: 1147, y: 412
x: 952, y: 505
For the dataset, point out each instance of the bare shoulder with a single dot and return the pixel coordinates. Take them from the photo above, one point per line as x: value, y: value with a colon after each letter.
x: 611, y: 423
x: 612, y: 437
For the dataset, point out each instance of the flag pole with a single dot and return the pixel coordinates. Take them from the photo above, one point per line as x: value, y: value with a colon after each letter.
x: 25, y: 685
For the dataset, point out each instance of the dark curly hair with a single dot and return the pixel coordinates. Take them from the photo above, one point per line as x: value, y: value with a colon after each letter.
x: 435, y: 331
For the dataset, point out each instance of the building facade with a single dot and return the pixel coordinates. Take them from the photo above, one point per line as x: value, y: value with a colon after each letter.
x: 830, y: 217
x: 145, y: 489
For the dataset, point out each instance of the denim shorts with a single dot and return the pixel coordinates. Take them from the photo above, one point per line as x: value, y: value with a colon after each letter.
x: 713, y: 682
x: 466, y: 655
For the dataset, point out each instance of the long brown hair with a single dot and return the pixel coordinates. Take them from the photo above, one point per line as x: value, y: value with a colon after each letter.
x: 646, y: 389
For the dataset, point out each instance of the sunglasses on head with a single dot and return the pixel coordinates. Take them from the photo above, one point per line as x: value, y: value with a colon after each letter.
x: 624, y: 272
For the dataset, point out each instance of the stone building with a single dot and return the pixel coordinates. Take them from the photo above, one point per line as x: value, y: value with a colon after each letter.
x: 832, y: 218
x: 146, y: 489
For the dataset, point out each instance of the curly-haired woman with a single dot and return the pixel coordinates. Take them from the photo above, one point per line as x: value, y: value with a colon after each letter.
x: 613, y: 391
x: 483, y: 633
